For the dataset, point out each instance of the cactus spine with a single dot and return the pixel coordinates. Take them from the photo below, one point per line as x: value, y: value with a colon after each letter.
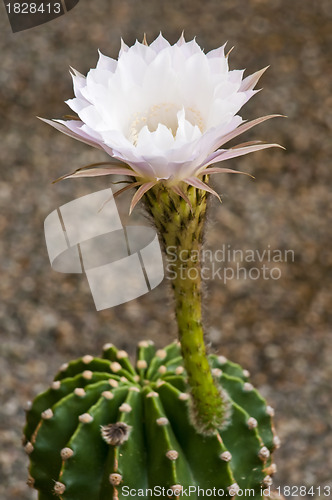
x: 105, y: 427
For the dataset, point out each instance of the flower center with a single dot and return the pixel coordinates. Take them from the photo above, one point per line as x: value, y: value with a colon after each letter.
x: 166, y: 114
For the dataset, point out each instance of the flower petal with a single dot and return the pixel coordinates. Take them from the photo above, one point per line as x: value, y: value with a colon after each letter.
x: 139, y: 193
x: 97, y: 171
x: 159, y: 44
x: 219, y: 170
x: 122, y: 190
x: 243, y: 128
x: 182, y: 194
x: 227, y: 154
x: 106, y: 63
x: 248, y: 143
x: 197, y: 183
x: 250, y: 81
x: 79, y: 81
x: 72, y: 129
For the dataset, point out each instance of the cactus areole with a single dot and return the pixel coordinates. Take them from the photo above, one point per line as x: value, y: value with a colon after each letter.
x: 107, y: 429
x: 179, y: 419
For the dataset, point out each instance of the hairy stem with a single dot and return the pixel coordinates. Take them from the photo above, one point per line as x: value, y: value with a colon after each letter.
x: 181, y: 232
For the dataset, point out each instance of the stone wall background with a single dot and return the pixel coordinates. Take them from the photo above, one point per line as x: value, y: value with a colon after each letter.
x: 280, y: 330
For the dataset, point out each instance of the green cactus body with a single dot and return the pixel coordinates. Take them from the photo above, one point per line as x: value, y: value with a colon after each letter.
x: 105, y: 428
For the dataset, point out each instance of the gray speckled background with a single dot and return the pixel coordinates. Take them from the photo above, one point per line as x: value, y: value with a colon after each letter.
x: 280, y: 330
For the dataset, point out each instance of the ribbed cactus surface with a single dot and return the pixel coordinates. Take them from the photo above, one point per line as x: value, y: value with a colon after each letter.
x: 107, y: 430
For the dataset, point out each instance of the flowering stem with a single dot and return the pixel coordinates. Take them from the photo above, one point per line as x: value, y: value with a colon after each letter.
x: 181, y: 232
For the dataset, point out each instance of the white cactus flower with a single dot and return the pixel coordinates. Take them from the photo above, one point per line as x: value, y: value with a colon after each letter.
x: 163, y: 113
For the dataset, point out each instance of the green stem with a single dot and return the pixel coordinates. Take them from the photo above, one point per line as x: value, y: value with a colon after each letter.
x: 181, y: 232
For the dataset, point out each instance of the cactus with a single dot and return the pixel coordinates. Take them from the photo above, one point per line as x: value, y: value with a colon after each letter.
x: 180, y: 419
x: 105, y: 427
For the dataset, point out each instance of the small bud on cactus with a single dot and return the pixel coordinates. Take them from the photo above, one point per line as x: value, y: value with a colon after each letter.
x: 89, y: 436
